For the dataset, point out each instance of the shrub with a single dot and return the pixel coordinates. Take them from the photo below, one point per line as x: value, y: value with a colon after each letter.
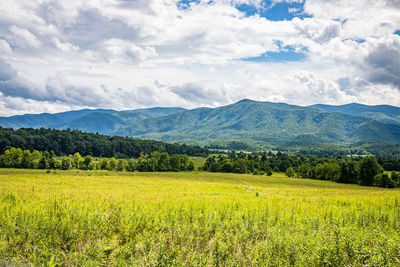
x: 383, y: 180
x: 290, y: 172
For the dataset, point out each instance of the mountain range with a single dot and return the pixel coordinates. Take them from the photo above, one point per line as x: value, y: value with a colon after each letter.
x: 382, y: 113
x: 246, y: 120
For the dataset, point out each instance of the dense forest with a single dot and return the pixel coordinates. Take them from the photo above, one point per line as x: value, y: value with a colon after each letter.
x: 156, y: 161
x: 357, y: 170
x: 65, y: 142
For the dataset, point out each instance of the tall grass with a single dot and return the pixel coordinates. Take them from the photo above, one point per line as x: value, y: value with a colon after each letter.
x: 106, y: 218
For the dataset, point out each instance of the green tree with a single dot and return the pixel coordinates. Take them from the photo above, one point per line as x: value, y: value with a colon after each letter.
x: 240, y: 166
x: 227, y: 167
x: 174, y: 162
x: 52, y: 160
x: 77, y: 159
x: 396, y: 178
x: 190, y: 166
x: 36, y: 156
x: 27, y: 159
x: 103, y: 164
x: 65, y: 163
x: 290, y: 172
x: 383, y: 180
x: 86, y: 164
x: 43, y: 164
x: 327, y: 171
x: 369, y: 167
x: 131, y: 165
x: 120, y: 165
x: 305, y: 171
x: 112, y: 164
x: 349, y: 171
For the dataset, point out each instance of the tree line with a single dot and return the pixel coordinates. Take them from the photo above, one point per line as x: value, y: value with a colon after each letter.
x: 240, y: 164
x: 366, y: 171
x: 65, y: 142
x: 156, y: 161
x: 357, y: 170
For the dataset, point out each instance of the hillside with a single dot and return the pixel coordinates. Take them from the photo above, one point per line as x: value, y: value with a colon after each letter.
x: 382, y: 113
x: 105, y: 121
x: 258, y: 123
x: 64, y: 142
x: 47, y: 120
x: 263, y: 122
x: 96, y: 122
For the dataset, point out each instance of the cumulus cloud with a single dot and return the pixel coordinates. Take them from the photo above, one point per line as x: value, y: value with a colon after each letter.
x: 123, y: 50
x: 382, y: 64
x: 12, y: 84
x: 5, y: 47
x: 138, y: 53
x: 23, y: 37
x: 200, y: 95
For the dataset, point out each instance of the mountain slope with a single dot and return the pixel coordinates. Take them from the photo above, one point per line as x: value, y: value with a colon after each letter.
x: 96, y: 122
x: 104, y: 121
x: 247, y: 120
x: 382, y: 113
x: 132, y: 116
x: 264, y: 122
x: 46, y: 120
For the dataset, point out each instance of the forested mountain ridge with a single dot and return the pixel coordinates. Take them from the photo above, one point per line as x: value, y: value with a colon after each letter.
x: 263, y: 122
x: 247, y: 120
x: 47, y: 120
x: 382, y: 113
x: 105, y: 121
x: 64, y: 142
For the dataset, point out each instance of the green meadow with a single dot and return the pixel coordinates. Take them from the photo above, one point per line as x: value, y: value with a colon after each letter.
x: 93, y: 218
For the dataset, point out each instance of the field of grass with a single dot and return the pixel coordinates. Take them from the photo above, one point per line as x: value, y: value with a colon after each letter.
x: 195, y: 218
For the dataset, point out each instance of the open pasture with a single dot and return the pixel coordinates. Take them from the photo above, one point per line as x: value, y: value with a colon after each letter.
x: 193, y: 218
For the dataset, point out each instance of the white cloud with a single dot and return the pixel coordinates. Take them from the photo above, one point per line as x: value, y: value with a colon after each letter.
x: 123, y: 50
x: 23, y: 37
x: 129, y: 54
x: 5, y: 48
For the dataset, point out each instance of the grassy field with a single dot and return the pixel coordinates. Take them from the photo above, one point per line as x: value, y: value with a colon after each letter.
x: 197, y: 218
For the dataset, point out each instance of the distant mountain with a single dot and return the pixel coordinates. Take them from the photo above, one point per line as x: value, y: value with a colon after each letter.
x: 252, y: 122
x: 109, y: 123
x: 262, y: 122
x: 132, y: 116
x: 105, y: 121
x: 382, y: 113
x: 46, y: 120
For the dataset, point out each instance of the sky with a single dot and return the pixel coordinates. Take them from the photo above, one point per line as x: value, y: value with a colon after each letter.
x: 58, y: 55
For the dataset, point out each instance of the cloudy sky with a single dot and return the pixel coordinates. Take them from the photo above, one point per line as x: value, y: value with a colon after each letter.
x: 58, y: 55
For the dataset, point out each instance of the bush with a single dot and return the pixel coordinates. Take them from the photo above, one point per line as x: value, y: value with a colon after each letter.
x: 369, y: 168
x: 383, y: 180
x: 290, y: 172
x: 396, y: 178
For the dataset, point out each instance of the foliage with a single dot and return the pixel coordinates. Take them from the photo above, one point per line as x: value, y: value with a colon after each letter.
x: 64, y: 142
x: 349, y: 170
x: 17, y: 158
x: 384, y: 180
x: 240, y: 164
x: 248, y: 122
x: 290, y: 172
x: 327, y: 171
x: 369, y: 167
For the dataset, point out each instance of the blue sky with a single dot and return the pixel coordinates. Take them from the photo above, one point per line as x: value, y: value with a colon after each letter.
x: 123, y: 54
x: 275, y: 11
